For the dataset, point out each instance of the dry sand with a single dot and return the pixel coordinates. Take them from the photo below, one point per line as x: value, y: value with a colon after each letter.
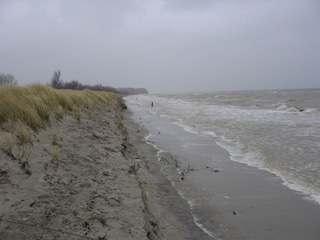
x: 81, y: 181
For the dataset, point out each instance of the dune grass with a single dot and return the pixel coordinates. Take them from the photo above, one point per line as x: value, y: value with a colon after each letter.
x: 33, y: 105
x: 23, y: 110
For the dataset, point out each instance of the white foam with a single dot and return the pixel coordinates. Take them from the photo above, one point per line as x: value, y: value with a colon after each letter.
x: 159, y: 151
x: 149, y: 135
x: 187, y: 128
x: 209, y: 133
x: 252, y: 159
x: 197, y: 222
x: 311, y: 110
x: 314, y: 197
x: 192, y: 204
x: 236, y: 154
x: 282, y: 107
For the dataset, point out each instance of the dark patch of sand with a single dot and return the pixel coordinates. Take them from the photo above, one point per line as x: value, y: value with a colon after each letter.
x: 167, y: 210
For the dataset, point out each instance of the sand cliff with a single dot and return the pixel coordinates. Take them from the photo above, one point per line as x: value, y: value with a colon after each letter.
x: 77, y: 181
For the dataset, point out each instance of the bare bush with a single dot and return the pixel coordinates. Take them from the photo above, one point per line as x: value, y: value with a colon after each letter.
x: 7, y: 79
x: 56, y: 81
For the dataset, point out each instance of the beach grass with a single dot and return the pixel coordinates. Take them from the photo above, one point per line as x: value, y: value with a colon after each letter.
x: 23, y: 133
x: 23, y: 110
x: 33, y: 105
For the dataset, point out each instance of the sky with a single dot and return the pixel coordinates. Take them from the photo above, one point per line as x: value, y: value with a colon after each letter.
x: 164, y: 46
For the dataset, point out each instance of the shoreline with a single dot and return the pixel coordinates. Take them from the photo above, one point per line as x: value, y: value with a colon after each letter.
x: 167, y: 211
x: 229, y: 199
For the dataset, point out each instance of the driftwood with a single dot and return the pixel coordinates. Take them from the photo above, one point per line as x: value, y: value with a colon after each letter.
x: 177, y: 164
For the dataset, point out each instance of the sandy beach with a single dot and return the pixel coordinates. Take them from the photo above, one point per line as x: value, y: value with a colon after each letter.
x: 93, y: 178
x: 79, y: 181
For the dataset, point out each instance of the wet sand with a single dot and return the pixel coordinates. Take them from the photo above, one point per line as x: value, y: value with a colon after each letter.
x: 168, y: 209
x: 226, y: 199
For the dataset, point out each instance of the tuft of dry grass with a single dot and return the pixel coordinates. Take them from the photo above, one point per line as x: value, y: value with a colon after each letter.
x: 24, y: 153
x: 56, y: 139
x: 55, y: 153
x: 120, y: 124
x: 91, y: 116
x: 24, y: 157
x: 77, y: 114
x: 9, y: 144
x: 23, y: 133
x: 106, y: 121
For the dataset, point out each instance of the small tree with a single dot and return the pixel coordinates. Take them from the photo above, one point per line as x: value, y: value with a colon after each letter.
x: 7, y: 79
x: 56, y: 82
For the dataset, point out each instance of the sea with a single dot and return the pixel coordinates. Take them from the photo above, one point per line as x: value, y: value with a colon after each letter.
x: 276, y: 131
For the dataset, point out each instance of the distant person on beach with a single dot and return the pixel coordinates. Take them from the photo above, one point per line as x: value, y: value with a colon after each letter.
x: 151, y: 104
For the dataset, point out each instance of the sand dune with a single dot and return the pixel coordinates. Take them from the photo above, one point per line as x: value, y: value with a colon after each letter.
x: 77, y: 181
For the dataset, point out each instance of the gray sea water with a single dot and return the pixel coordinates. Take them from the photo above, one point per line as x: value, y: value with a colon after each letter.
x: 274, y: 130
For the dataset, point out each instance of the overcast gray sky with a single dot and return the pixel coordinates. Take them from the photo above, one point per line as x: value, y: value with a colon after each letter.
x: 163, y: 45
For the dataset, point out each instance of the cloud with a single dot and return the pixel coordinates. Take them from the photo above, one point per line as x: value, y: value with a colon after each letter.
x: 163, y: 45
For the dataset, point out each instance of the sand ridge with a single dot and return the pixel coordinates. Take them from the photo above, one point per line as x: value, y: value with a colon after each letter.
x: 79, y: 182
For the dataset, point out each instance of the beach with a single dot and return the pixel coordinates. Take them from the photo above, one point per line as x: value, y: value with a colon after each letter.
x: 93, y: 178
x: 79, y: 181
x: 111, y: 174
x: 227, y: 198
